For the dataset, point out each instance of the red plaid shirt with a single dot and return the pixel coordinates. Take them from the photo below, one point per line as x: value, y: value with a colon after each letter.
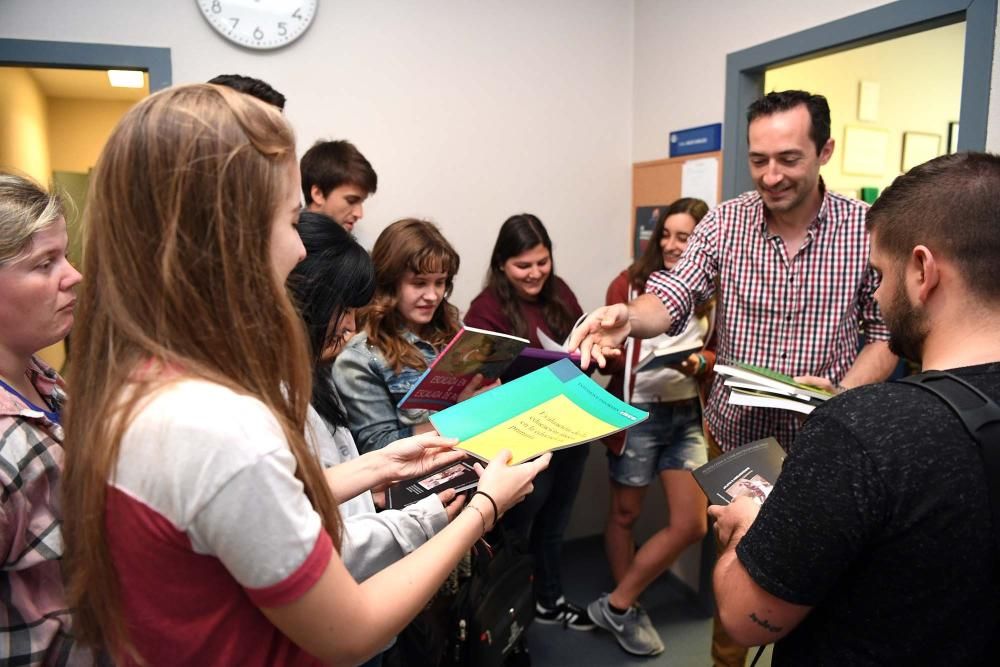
x: 34, y: 620
x: 798, y: 316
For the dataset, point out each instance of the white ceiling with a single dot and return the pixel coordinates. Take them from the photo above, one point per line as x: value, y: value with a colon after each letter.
x: 84, y: 84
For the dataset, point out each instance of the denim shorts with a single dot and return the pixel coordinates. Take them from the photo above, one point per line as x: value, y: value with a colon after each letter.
x: 671, y: 439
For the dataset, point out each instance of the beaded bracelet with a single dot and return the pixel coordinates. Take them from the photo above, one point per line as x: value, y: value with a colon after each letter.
x: 481, y: 518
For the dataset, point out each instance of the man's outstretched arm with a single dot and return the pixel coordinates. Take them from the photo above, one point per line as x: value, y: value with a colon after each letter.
x: 605, y: 329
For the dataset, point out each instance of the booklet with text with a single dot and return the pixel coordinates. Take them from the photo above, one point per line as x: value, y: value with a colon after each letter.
x: 470, y: 352
x: 750, y: 470
x: 554, y: 407
x: 460, y: 476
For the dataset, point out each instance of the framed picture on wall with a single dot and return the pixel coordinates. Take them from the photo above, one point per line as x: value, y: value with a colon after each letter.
x: 865, y: 150
x: 645, y: 221
x: 953, y: 137
x: 919, y: 147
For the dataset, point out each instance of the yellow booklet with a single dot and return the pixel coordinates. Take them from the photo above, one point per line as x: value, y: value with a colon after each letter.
x: 554, y: 407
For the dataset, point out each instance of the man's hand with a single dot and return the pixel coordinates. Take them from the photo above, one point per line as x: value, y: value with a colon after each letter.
x: 417, y: 455
x: 734, y: 520
x: 818, y: 382
x: 601, y: 335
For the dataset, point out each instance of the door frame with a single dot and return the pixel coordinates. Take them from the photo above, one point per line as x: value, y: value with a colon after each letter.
x: 80, y: 55
x: 745, y: 69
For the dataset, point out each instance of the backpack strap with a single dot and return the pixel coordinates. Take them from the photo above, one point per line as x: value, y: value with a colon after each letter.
x: 981, y: 417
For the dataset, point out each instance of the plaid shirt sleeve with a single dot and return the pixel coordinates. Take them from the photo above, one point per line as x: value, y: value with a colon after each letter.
x: 872, y: 324
x: 34, y: 619
x: 692, y: 281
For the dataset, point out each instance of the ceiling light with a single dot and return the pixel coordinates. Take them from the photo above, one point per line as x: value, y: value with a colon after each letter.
x: 126, y: 78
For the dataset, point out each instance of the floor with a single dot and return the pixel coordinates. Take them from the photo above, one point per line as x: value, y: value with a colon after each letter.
x: 684, y: 626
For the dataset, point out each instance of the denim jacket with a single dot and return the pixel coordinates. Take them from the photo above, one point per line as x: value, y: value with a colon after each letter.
x: 370, y: 390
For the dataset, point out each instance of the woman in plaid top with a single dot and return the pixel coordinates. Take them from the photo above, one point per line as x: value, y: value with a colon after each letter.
x: 37, y: 283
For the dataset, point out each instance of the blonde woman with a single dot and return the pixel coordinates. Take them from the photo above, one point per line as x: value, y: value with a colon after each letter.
x: 200, y: 527
x: 37, y: 285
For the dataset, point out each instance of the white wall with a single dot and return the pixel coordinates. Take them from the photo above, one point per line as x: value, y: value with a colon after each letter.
x: 469, y: 111
x: 680, y: 57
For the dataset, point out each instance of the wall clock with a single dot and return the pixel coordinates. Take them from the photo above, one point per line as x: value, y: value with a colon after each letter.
x: 259, y: 24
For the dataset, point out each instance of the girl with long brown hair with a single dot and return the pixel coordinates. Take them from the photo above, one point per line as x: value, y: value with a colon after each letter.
x: 524, y: 296
x: 200, y: 527
x: 407, y: 324
x: 667, y: 446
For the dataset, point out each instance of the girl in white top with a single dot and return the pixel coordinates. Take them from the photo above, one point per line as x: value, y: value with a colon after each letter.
x: 199, y: 525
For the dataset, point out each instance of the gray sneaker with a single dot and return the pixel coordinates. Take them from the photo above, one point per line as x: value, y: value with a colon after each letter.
x: 633, y: 629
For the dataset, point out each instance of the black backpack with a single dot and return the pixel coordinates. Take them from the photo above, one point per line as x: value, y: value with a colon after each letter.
x: 494, y: 607
x: 981, y: 418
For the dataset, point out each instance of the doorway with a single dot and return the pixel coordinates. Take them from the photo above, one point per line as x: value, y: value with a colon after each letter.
x: 746, y: 69
x: 57, y: 108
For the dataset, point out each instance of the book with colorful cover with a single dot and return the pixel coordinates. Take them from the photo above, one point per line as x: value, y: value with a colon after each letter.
x: 460, y: 476
x: 554, y: 407
x: 750, y: 470
x: 471, y: 352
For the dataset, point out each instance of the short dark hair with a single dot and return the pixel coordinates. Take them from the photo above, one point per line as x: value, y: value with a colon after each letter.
x: 251, y: 86
x: 950, y: 205
x: 336, y: 275
x: 786, y: 100
x: 330, y: 164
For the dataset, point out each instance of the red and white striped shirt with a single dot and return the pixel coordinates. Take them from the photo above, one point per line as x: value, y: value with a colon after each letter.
x: 798, y: 316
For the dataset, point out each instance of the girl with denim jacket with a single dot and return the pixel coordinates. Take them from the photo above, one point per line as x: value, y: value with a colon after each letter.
x: 407, y: 323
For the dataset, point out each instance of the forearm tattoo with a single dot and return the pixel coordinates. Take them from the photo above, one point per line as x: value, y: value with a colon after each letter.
x: 763, y: 622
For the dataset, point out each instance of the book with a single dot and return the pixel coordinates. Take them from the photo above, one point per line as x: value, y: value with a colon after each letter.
x: 460, y: 476
x: 548, y: 344
x: 533, y: 358
x: 666, y: 356
x: 470, y: 352
x: 760, y: 399
x: 554, y: 407
x: 750, y: 470
x: 766, y: 380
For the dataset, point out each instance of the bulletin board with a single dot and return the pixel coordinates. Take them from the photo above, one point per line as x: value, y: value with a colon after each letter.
x: 659, y: 183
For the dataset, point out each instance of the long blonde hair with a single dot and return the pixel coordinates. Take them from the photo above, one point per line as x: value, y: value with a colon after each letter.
x: 419, y: 247
x: 177, y: 275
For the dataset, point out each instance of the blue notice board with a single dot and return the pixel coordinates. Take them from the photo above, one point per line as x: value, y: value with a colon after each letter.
x: 704, y: 139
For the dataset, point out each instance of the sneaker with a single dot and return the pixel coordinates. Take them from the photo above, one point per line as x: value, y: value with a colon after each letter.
x: 564, y: 613
x: 633, y: 629
x: 648, y: 626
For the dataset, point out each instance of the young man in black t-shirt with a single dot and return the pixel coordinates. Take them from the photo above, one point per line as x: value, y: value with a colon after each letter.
x: 877, y: 544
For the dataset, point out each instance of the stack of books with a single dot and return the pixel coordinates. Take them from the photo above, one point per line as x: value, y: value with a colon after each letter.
x: 763, y: 388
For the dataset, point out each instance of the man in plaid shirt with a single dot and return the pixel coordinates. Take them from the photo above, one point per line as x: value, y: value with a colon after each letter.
x: 789, y: 262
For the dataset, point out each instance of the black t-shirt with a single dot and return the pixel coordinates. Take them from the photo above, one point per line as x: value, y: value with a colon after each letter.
x: 881, y: 522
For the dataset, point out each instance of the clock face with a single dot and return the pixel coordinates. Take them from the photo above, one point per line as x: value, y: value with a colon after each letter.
x: 259, y: 24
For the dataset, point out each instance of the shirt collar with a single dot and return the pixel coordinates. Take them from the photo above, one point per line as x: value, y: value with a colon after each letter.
x: 49, y: 385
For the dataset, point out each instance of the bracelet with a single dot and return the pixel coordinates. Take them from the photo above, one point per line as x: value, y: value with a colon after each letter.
x: 496, y: 512
x: 481, y: 517
x: 702, y: 363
